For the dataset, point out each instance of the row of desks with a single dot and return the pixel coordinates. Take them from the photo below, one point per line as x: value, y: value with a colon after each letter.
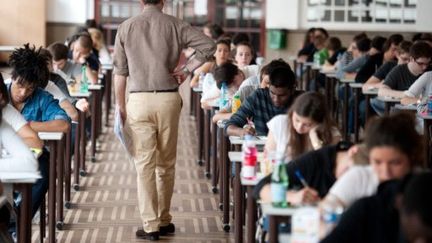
x: 60, y: 166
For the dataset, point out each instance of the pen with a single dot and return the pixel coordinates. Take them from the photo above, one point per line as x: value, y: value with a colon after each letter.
x: 301, y: 178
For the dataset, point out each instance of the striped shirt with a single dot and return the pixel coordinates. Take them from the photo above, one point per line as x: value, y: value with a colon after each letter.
x: 259, y: 107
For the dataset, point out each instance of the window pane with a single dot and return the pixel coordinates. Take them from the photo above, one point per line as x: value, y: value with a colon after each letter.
x: 353, y: 16
x: 340, y: 2
x: 339, y: 16
x: 327, y: 16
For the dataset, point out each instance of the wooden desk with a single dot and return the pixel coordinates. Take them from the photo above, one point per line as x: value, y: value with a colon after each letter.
x: 53, y: 140
x: 22, y: 182
x: 356, y: 88
x: 259, y: 140
x: 330, y: 80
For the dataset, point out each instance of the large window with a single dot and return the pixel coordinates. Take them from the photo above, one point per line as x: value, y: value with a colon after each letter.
x: 362, y: 11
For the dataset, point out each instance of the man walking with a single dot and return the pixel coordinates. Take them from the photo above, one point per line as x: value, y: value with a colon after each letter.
x: 147, y: 50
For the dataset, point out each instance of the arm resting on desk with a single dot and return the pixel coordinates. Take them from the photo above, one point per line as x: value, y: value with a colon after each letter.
x: 387, y: 91
x: 50, y: 126
x: 30, y: 137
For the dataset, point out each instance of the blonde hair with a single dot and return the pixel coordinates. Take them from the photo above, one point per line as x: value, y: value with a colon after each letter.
x: 97, y: 38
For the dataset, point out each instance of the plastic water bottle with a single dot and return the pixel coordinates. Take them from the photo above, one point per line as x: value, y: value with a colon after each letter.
x: 249, y: 158
x: 331, y: 213
x: 223, y: 100
x: 279, y: 185
x: 236, y: 103
x: 84, y: 81
x: 317, y: 59
x: 429, y: 104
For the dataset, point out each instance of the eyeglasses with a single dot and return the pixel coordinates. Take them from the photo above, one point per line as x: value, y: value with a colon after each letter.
x: 422, y: 64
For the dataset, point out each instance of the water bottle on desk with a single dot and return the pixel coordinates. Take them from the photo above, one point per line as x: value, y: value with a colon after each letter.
x: 279, y: 185
x: 84, y: 80
x: 317, y: 59
x: 331, y: 213
x: 249, y: 158
x: 223, y: 100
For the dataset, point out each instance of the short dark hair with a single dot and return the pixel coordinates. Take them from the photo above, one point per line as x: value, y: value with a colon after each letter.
x: 240, y: 37
x: 283, y: 77
x: 378, y: 42
x: 394, y: 39
x: 404, y: 46
x: 398, y: 131
x: 417, y: 197
x: 215, y: 30
x: 334, y: 44
x: 224, y: 41
x: 363, y: 45
x: 360, y: 36
x: 29, y: 67
x: 151, y: 1
x: 225, y: 73
x: 58, y: 51
x: 276, y: 63
x: 323, y: 31
x: 421, y: 49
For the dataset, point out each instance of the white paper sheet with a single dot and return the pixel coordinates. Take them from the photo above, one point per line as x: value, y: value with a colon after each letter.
x: 121, y: 134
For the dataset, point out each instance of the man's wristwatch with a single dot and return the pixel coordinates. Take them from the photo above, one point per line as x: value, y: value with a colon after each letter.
x: 186, y: 71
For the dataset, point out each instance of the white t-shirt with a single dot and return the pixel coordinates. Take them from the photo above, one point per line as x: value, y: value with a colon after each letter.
x: 13, y: 117
x: 278, y: 126
x: 55, y: 91
x: 19, y: 158
x: 356, y: 183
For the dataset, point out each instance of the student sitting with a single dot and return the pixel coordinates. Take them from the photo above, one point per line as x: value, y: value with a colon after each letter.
x: 398, y: 212
x: 403, y: 76
x: 307, y: 126
x: 402, y: 56
x: 358, y: 50
x: 320, y: 168
x: 374, y: 60
x: 335, y: 50
x: 308, y: 47
x: 264, y: 104
x: 80, y: 52
x: 39, y: 108
x: 229, y: 74
x: 99, y: 44
x: 221, y: 56
x: 243, y: 59
x: 395, y: 149
x: 251, y: 84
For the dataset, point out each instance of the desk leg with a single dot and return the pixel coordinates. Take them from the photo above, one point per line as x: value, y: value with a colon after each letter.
x: 308, y: 77
x: 24, y: 217
x: 60, y: 179
x: 192, y: 103
x: 356, y: 115
x: 76, y: 153
x: 427, y: 136
x: 221, y: 167
x: 108, y: 90
x: 200, y: 117
x: 214, y: 158
x: 52, y: 191
x: 238, y: 205
x: 226, y: 191
x: 345, y: 113
x: 207, y: 118
x: 67, y: 166
x: 332, y: 96
x: 251, y: 215
x: 94, y: 118
x: 83, y: 143
x: 273, y: 229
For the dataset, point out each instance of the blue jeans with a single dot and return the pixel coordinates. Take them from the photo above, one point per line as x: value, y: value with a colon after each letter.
x: 378, y: 106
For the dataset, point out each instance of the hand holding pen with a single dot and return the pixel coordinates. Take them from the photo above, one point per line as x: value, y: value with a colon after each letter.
x: 249, y: 128
x: 307, y: 194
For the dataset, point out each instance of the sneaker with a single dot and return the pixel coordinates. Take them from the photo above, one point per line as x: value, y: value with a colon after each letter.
x: 153, y: 236
x: 168, y: 229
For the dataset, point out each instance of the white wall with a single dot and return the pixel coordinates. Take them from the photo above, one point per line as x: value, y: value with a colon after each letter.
x: 282, y: 14
x: 69, y: 11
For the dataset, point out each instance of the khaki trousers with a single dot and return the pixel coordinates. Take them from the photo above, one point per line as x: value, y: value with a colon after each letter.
x: 152, y: 121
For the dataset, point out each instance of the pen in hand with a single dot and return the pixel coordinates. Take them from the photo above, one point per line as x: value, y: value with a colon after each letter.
x: 301, y: 178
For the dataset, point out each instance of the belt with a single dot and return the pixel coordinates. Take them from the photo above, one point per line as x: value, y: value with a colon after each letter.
x: 157, y: 91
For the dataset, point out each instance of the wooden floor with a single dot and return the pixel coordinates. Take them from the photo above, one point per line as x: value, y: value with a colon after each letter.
x: 105, y: 209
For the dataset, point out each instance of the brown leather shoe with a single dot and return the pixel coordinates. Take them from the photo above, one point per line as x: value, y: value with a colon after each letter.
x: 153, y: 236
x: 168, y: 229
